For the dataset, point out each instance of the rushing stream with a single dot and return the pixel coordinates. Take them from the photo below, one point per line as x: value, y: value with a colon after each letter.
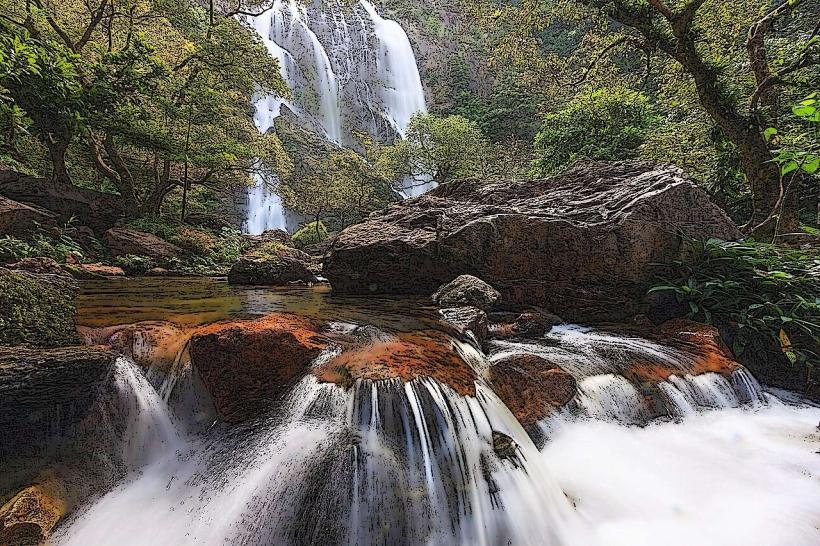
x: 417, y: 463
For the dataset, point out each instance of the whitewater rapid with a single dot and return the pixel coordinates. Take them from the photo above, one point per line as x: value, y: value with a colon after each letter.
x: 416, y: 463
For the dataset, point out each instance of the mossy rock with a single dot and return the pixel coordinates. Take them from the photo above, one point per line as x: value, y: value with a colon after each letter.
x: 310, y: 234
x: 37, y: 310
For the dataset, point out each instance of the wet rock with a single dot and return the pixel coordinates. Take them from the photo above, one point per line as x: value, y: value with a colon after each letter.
x: 39, y: 266
x: 249, y: 366
x: 22, y: 219
x: 407, y: 357
x: 504, y: 446
x: 534, y: 324
x: 94, y: 271
x: 30, y: 516
x: 531, y: 386
x: 37, y: 309
x: 45, y: 392
x: 468, y: 319
x: 97, y: 210
x: 466, y: 290
x: 125, y: 242
x: 582, y: 244
x: 151, y: 344
x: 277, y: 266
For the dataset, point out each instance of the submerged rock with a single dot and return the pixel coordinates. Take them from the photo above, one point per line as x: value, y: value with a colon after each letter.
x: 249, y: 366
x: 466, y: 290
x: 125, y: 242
x: 407, y: 357
x: 582, y: 244
x: 37, y: 309
x: 278, y: 265
x: 531, y: 386
x: 29, y: 517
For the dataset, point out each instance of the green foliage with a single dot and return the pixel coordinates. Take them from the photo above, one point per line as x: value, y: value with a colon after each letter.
x: 799, y: 147
x: 764, y: 291
x: 13, y: 249
x: 135, y: 265
x: 609, y: 124
x: 310, y: 234
x: 442, y: 149
x: 36, y: 312
x: 268, y: 251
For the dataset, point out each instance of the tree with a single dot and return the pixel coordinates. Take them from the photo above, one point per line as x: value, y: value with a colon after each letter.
x: 609, y: 124
x: 442, y: 149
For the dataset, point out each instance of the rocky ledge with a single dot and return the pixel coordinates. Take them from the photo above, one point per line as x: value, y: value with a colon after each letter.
x: 583, y: 244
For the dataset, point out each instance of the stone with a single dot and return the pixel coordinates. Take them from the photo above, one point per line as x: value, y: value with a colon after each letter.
x: 534, y: 324
x: 30, y: 516
x: 124, y: 242
x: 468, y: 319
x: 585, y: 244
x: 531, y: 387
x: 407, y: 356
x: 277, y: 265
x: 39, y: 266
x: 249, y: 366
x: 94, y: 271
x: 466, y: 290
x: 97, y: 210
x: 21, y: 219
x: 37, y: 310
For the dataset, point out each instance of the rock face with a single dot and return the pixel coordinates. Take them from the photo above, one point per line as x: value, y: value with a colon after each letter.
x: 466, y: 290
x: 281, y: 266
x: 21, y: 219
x: 581, y: 244
x: 122, y: 242
x: 531, y: 386
x: 96, y: 210
x: 248, y: 366
x: 36, y: 309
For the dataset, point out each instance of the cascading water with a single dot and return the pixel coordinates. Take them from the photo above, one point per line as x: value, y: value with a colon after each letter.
x: 416, y: 463
x: 349, y: 70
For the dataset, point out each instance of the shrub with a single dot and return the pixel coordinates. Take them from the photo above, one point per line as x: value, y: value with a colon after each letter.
x: 759, y: 290
x: 195, y: 241
x: 13, y: 250
x: 135, y: 265
x: 606, y: 124
x: 310, y: 234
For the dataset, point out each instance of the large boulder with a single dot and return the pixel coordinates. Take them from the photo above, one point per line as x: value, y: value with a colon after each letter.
x: 583, y: 244
x: 273, y: 264
x: 466, y: 290
x: 30, y: 516
x: 22, y: 219
x: 124, y: 242
x: 37, y: 310
x: 249, y: 366
x: 94, y: 209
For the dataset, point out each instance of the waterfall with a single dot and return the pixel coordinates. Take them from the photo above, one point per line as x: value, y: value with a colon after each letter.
x: 349, y: 70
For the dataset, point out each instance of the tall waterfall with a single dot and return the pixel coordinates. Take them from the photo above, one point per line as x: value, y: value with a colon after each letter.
x: 349, y: 70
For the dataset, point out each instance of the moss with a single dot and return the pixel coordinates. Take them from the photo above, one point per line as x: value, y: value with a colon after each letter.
x: 310, y: 234
x: 37, y: 310
x: 268, y: 251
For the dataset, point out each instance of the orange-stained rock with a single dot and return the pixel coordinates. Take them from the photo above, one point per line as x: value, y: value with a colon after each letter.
x: 531, y: 386
x: 407, y: 357
x: 30, y: 516
x: 247, y: 366
x: 94, y: 271
x: 151, y: 344
x: 701, y: 342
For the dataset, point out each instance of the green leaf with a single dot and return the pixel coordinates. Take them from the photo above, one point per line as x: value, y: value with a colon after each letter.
x: 811, y: 166
x: 789, y: 167
x: 804, y: 111
x: 769, y: 133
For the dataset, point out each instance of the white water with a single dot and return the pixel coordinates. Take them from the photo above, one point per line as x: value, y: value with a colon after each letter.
x: 392, y: 463
x: 341, y: 83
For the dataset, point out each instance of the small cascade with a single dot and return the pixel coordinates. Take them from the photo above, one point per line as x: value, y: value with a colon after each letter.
x: 349, y: 70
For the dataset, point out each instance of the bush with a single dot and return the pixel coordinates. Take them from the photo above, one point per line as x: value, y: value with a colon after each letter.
x: 135, y: 265
x: 606, y: 124
x: 13, y: 250
x: 310, y: 234
x: 761, y: 291
x: 195, y: 241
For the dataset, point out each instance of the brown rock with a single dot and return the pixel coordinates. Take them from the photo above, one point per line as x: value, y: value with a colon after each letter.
x: 534, y: 324
x: 274, y: 265
x: 468, y: 319
x: 582, y: 244
x: 21, y: 219
x: 149, y: 344
x: 94, y: 271
x: 40, y: 266
x: 407, y: 357
x: 531, y: 386
x: 123, y: 241
x: 466, y: 290
x: 248, y: 366
x: 29, y: 517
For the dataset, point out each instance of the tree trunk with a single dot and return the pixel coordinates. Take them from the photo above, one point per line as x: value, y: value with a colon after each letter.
x: 57, y: 150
